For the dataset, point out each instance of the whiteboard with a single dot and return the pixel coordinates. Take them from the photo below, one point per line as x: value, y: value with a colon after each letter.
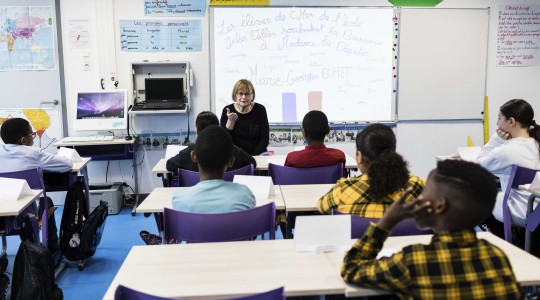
x: 338, y: 60
x: 442, y: 63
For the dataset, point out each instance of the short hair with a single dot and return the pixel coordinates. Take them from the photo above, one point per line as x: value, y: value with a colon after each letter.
x: 14, y: 129
x: 213, y: 148
x: 468, y: 183
x: 205, y: 119
x: 243, y: 85
x: 315, y: 124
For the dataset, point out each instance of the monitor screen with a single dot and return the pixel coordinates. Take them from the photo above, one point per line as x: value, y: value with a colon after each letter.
x: 101, y: 110
x: 161, y: 89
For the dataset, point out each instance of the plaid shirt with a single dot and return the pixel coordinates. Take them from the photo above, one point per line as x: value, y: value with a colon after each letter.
x: 350, y: 196
x: 455, y: 265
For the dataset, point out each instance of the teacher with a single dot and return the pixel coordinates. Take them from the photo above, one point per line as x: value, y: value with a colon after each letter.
x: 246, y: 120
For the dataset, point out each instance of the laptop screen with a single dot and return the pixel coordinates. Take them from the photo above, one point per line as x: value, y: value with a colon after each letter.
x: 164, y: 90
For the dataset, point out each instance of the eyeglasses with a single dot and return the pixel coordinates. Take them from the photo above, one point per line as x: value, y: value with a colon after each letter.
x: 244, y: 94
x: 33, y: 134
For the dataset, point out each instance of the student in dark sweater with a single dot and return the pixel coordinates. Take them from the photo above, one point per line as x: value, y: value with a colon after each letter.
x: 183, y: 159
x: 246, y: 120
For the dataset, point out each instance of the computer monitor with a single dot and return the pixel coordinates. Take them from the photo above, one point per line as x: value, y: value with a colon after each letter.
x: 104, y: 110
x: 164, y: 89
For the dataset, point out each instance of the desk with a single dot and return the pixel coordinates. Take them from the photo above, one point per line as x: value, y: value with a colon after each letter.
x: 115, y: 149
x: 11, y: 209
x: 303, y: 197
x: 525, y: 265
x: 229, y: 269
x: 530, y: 203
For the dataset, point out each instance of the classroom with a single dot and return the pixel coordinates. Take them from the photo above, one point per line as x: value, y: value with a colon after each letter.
x: 436, y: 75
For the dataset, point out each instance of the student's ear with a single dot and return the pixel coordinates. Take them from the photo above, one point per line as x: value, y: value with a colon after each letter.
x: 231, y: 162
x: 512, y: 122
x: 439, y: 205
x: 304, y: 133
x: 193, y: 156
x: 359, y: 157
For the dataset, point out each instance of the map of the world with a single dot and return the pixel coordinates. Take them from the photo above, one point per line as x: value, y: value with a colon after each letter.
x: 26, y: 38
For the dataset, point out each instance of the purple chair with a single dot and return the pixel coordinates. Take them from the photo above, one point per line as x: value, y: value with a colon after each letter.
x: 360, y: 224
x: 188, y: 178
x: 282, y: 175
x: 532, y: 221
x: 34, y: 179
x: 518, y: 176
x: 222, y: 227
x: 125, y: 293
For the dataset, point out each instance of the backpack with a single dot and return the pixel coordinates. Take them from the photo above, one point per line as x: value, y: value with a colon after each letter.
x: 33, y: 274
x: 80, y: 234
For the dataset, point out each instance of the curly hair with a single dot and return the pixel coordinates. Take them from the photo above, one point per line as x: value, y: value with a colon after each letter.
x: 388, y: 171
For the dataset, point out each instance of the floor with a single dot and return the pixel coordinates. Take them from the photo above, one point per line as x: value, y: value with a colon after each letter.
x: 121, y: 232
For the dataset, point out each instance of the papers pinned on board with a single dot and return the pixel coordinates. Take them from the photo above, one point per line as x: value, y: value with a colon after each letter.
x: 261, y: 186
x: 322, y: 233
x: 14, y: 189
x: 172, y: 150
x: 69, y: 153
x: 469, y: 153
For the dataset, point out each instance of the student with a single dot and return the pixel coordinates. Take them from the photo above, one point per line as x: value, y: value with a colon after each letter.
x: 18, y: 154
x: 314, y: 129
x: 455, y: 264
x: 384, y: 177
x: 183, y: 159
x: 212, y: 194
x: 516, y: 142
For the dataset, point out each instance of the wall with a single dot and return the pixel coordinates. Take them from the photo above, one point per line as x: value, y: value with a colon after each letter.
x: 419, y: 142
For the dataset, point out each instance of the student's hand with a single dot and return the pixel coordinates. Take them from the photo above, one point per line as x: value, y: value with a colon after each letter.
x: 231, y: 116
x: 503, y: 134
x: 402, y: 210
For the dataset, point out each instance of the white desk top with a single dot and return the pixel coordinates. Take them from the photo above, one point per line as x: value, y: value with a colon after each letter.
x: 162, y: 197
x: 160, y: 167
x: 303, y: 197
x: 78, y: 165
x: 525, y: 265
x: 14, y: 208
x: 115, y: 141
x: 226, y: 269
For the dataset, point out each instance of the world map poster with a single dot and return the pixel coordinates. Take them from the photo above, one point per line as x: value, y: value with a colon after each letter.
x: 45, y: 122
x: 26, y: 38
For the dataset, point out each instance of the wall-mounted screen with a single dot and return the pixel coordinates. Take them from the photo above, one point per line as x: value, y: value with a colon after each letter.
x: 164, y: 89
x: 101, y: 110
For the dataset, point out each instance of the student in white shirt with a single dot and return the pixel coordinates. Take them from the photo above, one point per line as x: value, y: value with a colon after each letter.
x: 516, y: 142
x: 18, y: 154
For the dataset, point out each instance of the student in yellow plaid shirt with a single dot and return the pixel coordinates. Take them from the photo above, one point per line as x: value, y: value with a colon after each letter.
x: 384, y: 177
x: 458, y: 196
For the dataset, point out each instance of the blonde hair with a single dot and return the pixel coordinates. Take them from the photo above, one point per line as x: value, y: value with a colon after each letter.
x: 242, y: 85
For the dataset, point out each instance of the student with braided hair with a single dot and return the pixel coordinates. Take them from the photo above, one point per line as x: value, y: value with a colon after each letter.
x: 516, y: 142
x: 384, y: 177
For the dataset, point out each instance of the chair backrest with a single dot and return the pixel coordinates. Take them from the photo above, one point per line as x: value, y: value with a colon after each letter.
x: 282, y: 175
x: 233, y: 226
x: 188, y: 178
x: 360, y: 224
x: 34, y: 177
x: 125, y: 293
x: 518, y: 176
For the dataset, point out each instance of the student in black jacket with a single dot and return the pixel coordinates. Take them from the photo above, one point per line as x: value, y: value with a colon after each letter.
x: 183, y: 159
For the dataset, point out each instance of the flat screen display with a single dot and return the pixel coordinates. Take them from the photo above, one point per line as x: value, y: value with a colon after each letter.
x: 101, y: 110
x: 164, y: 89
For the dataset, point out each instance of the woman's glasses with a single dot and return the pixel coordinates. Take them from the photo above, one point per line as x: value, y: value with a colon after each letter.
x: 244, y: 94
x: 33, y: 134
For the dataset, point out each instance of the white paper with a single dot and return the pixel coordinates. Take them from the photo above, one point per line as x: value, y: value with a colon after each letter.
x: 322, y: 233
x: 276, y: 161
x: 535, y: 184
x: 261, y: 186
x: 172, y: 150
x: 69, y: 153
x: 14, y: 189
x: 469, y: 153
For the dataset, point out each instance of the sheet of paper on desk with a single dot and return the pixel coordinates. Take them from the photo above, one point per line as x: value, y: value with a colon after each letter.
x: 172, y: 150
x: 276, y: 161
x: 469, y: 153
x: 261, y: 186
x: 14, y: 189
x: 70, y: 153
x: 535, y: 184
x: 322, y: 233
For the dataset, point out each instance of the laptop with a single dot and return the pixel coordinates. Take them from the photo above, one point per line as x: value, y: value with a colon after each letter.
x: 163, y: 93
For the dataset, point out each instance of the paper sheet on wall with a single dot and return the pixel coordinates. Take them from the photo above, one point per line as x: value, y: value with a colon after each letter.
x: 174, y: 8
x: 518, y: 36
x: 160, y: 35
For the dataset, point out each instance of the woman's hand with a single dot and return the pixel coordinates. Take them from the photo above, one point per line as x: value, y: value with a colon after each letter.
x: 231, y: 119
x: 503, y: 134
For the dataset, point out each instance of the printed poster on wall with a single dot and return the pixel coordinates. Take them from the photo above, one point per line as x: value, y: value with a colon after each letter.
x: 174, y: 8
x: 160, y: 35
x: 518, y: 36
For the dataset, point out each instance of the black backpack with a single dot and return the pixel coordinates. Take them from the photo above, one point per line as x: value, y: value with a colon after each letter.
x: 33, y: 274
x: 80, y: 234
